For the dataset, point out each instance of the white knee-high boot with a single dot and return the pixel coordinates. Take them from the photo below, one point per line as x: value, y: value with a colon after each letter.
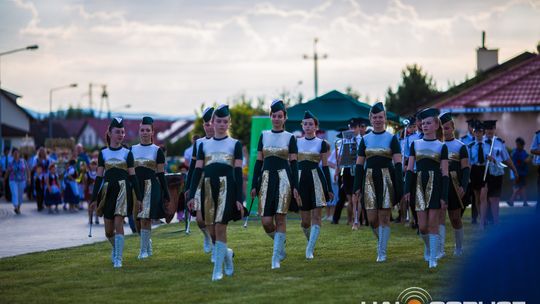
x: 314, y: 235
x: 458, y: 233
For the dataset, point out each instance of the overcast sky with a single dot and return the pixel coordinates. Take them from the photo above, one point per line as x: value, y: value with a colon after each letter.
x: 169, y: 56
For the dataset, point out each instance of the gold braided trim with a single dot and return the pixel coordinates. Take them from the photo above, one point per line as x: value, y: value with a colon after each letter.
x: 116, y: 163
x: 383, y: 152
x: 309, y: 156
x: 219, y: 157
x: 320, y: 199
x: 276, y: 151
x: 422, y: 154
x: 147, y: 163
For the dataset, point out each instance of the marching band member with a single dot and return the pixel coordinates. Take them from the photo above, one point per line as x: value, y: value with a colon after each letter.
x: 498, y: 154
x: 478, y: 151
x: 379, y: 176
x: 431, y: 159
x: 219, y: 169
x: 149, y: 167
x: 196, y: 205
x: 418, y: 134
x: 459, y: 172
x: 115, y: 195
x: 314, y: 184
x: 275, y: 179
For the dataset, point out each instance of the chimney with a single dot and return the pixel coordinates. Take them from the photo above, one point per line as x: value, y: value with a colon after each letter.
x: 486, y: 59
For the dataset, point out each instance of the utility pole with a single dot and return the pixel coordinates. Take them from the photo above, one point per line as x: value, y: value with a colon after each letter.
x: 316, y: 58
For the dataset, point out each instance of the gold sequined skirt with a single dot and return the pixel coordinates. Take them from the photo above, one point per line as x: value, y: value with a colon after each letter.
x: 275, y: 193
x: 379, y: 192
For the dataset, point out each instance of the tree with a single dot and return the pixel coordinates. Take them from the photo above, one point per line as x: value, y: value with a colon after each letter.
x: 416, y: 89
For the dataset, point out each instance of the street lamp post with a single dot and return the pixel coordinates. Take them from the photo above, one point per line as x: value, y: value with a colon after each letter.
x: 73, y: 85
x: 28, y: 48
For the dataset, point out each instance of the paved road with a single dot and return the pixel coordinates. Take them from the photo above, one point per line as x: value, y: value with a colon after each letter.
x: 33, y: 231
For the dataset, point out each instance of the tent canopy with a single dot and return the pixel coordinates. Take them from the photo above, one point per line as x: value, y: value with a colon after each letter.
x: 333, y: 109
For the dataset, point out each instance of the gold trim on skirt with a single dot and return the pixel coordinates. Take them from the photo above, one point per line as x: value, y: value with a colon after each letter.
x: 388, y: 189
x: 197, y: 196
x: 222, y: 199
x: 212, y: 213
x: 369, y: 191
x: 455, y: 182
x: 423, y: 197
x: 101, y: 200
x: 284, y: 192
x: 320, y: 199
x: 147, y: 200
x: 263, y: 191
x: 121, y: 200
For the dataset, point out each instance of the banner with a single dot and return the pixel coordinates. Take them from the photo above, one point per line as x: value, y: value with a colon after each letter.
x: 258, y: 124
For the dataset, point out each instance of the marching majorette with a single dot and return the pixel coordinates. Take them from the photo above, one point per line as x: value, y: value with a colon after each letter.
x: 379, y: 177
x: 150, y: 169
x: 219, y: 169
x: 498, y: 158
x: 459, y: 172
x: 275, y: 179
x: 314, y: 183
x: 115, y: 187
x: 430, y: 156
x: 195, y: 205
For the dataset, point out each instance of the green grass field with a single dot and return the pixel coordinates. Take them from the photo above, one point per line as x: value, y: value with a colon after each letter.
x: 343, y: 271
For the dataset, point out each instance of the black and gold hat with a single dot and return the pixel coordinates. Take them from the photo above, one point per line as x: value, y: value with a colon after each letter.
x: 445, y: 117
x: 429, y: 112
x: 277, y: 105
x: 377, y: 108
x: 147, y: 120
x: 117, y: 122
x: 207, y: 114
x: 490, y: 124
x: 308, y: 115
x: 222, y: 111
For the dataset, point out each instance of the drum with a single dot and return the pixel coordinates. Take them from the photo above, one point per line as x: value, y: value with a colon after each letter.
x: 175, y: 183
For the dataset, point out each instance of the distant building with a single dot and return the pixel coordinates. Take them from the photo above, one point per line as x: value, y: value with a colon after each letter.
x: 15, y: 121
x: 508, y: 92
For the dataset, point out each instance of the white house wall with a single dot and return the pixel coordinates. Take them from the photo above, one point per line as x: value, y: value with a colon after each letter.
x: 13, y: 116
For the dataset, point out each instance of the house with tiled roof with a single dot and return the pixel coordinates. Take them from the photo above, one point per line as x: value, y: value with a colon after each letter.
x: 507, y: 92
x: 14, y: 120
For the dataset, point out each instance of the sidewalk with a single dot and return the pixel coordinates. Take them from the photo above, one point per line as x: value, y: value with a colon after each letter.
x: 33, y: 231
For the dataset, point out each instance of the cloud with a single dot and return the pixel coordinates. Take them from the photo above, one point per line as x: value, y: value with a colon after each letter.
x: 177, y: 57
